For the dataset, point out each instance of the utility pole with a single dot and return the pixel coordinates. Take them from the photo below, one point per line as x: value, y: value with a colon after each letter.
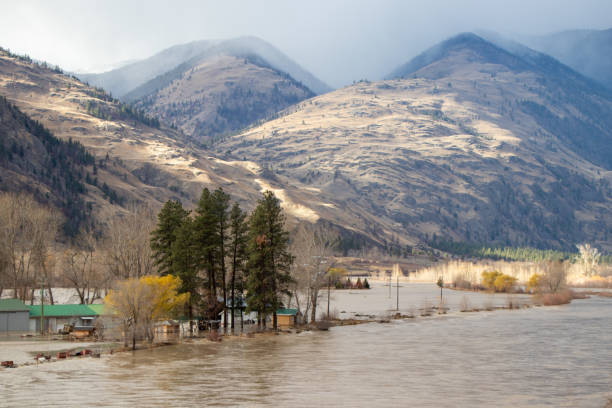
x: 389, y: 286
x: 42, y: 306
x: 328, y: 289
x: 397, y: 294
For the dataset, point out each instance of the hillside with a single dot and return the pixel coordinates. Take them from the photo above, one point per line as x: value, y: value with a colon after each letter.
x: 139, y: 160
x: 467, y: 141
x: 587, y: 51
x: 218, y: 95
x: 36, y: 162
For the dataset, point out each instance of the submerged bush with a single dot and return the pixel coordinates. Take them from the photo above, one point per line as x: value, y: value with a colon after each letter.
x: 498, y: 282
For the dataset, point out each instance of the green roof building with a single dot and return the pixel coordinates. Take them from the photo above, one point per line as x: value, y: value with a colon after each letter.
x: 56, y: 316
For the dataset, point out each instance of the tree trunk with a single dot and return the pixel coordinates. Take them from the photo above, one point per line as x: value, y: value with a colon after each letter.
x: 233, y: 289
x: 313, y: 302
x: 274, y: 321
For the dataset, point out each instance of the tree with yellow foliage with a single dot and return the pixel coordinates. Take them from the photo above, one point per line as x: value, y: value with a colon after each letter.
x: 139, y: 303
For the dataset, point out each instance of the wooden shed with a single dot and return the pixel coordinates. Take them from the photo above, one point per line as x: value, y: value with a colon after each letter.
x: 286, y: 317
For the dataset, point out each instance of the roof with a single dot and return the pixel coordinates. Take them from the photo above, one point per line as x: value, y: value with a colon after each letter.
x: 290, y: 312
x: 12, y: 305
x: 67, y: 310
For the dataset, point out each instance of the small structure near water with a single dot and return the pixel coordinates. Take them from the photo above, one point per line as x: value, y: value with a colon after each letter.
x: 83, y: 317
x: 14, y: 316
x: 286, y: 317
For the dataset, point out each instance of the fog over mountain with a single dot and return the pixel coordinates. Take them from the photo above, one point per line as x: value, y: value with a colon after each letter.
x: 338, y: 42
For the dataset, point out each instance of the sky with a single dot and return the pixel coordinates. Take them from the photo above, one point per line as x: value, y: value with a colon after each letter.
x: 339, y: 41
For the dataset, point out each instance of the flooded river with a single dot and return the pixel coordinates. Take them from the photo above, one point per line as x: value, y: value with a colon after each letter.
x: 556, y: 356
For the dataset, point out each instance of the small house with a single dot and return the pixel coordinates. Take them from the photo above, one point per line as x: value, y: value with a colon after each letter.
x: 168, y: 327
x: 57, y: 316
x: 14, y: 316
x: 286, y: 317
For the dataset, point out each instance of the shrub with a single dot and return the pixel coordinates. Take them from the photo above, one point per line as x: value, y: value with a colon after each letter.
x: 488, y: 279
x: 504, y: 283
x: 558, y: 298
x: 497, y: 281
x: 461, y: 283
x: 534, y: 283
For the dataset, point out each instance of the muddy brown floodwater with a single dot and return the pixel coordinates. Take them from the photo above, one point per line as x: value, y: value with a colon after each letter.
x: 555, y: 356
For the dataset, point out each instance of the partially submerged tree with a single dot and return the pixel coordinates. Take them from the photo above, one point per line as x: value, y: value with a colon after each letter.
x: 313, y: 248
x: 140, y: 302
x: 238, y: 253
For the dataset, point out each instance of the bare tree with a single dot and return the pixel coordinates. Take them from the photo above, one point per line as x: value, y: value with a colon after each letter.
x: 127, y: 244
x: 312, y: 246
x: 554, y: 276
x: 27, y: 231
x: 589, y: 258
x: 81, y: 267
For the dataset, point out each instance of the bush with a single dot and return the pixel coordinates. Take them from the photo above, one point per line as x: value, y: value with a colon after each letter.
x: 461, y: 283
x: 504, y: 283
x: 558, y: 298
x: 534, y: 283
x: 497, y: 281
x: 488, y: 279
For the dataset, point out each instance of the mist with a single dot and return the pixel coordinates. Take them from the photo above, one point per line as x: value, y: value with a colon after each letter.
x: 339, y: 42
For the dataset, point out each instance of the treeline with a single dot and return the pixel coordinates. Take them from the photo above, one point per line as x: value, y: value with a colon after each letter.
x: 26, y: 58
x: 501, y: 253
x: 117, y: 110
x: 224, y: 259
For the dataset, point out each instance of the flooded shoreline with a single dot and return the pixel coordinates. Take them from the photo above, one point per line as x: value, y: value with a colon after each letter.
x: 548, y: 356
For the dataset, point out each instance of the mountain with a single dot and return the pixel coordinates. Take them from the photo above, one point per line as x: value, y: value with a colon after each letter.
x: 212, y: 88
x: 587, y: 51
x: 136, y: 158
x: 125, y: 79
x: 467, y: 141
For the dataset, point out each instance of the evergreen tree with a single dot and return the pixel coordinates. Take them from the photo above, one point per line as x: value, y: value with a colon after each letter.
x: 170, y: 219
x: 269, y: 259
x: 220, y: 201
x: 238, y: 254
x: 184, y: 261
x: 206, y: 239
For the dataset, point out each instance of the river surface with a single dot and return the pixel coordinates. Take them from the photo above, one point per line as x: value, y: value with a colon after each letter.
x: 557, y: 356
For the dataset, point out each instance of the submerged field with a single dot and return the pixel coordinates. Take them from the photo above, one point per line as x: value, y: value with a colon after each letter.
x: 550, y: 356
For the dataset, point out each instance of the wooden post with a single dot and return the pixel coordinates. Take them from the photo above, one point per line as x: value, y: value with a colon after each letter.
x: 328, y: 289
x: 397, y: 295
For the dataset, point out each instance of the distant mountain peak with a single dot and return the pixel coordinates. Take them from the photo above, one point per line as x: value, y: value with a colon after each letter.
x: 485, y: 51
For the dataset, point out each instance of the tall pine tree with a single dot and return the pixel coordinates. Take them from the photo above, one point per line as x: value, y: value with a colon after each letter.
x: 170, y: 219
x: 238, y: 253
x: 269, y: 258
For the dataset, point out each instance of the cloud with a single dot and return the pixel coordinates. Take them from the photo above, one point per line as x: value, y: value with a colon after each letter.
x: 338, y: 41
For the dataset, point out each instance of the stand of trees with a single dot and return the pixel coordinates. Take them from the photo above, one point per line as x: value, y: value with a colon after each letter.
x: 218, y: 254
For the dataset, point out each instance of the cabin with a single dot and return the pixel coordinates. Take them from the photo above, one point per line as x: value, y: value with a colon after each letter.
x: 57, y: 316
x: 286, y: 317
x: 14, y: 316
x: 168, y: 327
